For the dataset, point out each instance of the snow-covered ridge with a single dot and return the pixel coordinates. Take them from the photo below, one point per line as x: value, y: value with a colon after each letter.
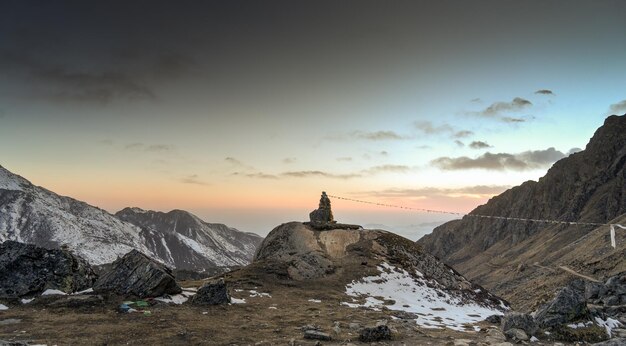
x: 32, y: 214
x: 434, y: 306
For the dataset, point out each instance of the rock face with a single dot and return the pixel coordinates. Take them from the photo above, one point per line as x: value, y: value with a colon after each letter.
x: 378, y: 333
x: 588, y: 186
x: 137, y: 275
x: 520, y: 321
x: 34, y: 215
x: 323, y: 214
x: 213, y: 292
x: 27, y: 270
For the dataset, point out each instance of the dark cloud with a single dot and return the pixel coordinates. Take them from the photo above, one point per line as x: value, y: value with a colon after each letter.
x: 618, y: 108
x: 501, y: 161
x: 459, y: 143
x: 289, y: 160
x: 57, y: 82
x: 480, y: 190
x: 479, y: 145
x: 193, y: 179
x: 544, y: 92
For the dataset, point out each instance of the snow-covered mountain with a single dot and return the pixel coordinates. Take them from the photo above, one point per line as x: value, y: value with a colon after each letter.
x: 32, y: 214
x: 185, y: 241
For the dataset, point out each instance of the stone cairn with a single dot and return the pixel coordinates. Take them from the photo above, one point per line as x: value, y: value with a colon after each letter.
x: 323, y: 214
x: 322, y: 217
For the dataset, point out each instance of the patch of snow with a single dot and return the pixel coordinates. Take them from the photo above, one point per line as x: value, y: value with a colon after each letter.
x: 191, y: 289
x: 609, y: 324
x: 89, y: 290
x: 53, y: 292
x: 254, y: 294
x: 237, y: 301
x: 238, y: 290
x: 315, y: 300
x: 3, y: 307
x: 26, y: 301
x: 273, y: 308
x: 533, y: 339
x: 175, y: 299
x: 436, y: 307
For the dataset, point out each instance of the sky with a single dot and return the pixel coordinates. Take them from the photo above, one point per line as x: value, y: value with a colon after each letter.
x: 242, y: 112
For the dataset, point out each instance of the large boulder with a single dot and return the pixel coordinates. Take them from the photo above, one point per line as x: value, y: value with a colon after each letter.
x: 568, y: 305
x: 27, y: 270
x: 214, y: 292
x: 517, y: 320
x: 138, y: 275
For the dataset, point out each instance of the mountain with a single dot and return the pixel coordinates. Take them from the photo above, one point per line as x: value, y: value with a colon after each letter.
x: 520, y: 260
x: 187, y: 242
x: 33, y: 214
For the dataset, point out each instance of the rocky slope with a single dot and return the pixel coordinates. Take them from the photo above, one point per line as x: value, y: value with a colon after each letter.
x: 373, y: 269
x: 32, y: 214
x: 511, y: 256
x: 187, y: 242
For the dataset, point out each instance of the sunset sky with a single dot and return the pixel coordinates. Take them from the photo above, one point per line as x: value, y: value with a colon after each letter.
x: 244, y: 111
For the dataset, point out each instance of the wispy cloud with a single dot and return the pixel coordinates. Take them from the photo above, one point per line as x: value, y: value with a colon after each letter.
x: 427, y: 127
x: 344, y: 159
x: 544, y: 92
x: 387, y: 169
x: 289, y: 160
x: 501, y: 161
x: 463, y: 134
x: 466, y: 191
x: 257, y: 175
x: 193, y: 179
x: 459, y: 143
x: 479, y: 145
x: 308, y: 174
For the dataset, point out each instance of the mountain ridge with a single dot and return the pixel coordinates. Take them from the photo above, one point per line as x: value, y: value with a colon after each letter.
x: 587, y: 186
x: 33, y: 214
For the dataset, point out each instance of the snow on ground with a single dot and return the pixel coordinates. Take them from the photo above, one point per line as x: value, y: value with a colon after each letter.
x: 26, y: 301
x: 237, y: 300
x: 315, y: 300
x: 3, y: 307
x: 178, y: 298
x: 51, y: 292
x: 436, y: 307
x: 254, y: 294
x: 89, y: 290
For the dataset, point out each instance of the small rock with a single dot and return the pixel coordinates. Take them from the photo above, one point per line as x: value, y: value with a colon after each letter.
x: 612, y: 342
x: 317, y: 335
x: 10, y: 321
x: 354, y: 326
x: 375, y: 334
x: 12, y: 343
x: 495, y: 319
x: 214, y: 292
x: 516, y: 335
x: 517, y: 320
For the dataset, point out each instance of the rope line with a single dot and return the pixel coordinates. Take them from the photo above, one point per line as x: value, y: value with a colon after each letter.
x: 612, y: 226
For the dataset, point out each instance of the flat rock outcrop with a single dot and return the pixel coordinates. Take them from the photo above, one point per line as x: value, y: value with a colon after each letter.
x: 28, y: 270
x: 138, y: 275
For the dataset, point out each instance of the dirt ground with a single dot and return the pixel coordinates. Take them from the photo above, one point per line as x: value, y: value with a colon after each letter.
x: 262, y: 320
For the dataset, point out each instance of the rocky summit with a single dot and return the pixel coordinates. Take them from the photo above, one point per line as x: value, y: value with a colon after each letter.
x: 528, y: 262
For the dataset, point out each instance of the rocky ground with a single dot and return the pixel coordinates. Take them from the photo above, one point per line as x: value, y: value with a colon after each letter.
x: 277, y: 319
